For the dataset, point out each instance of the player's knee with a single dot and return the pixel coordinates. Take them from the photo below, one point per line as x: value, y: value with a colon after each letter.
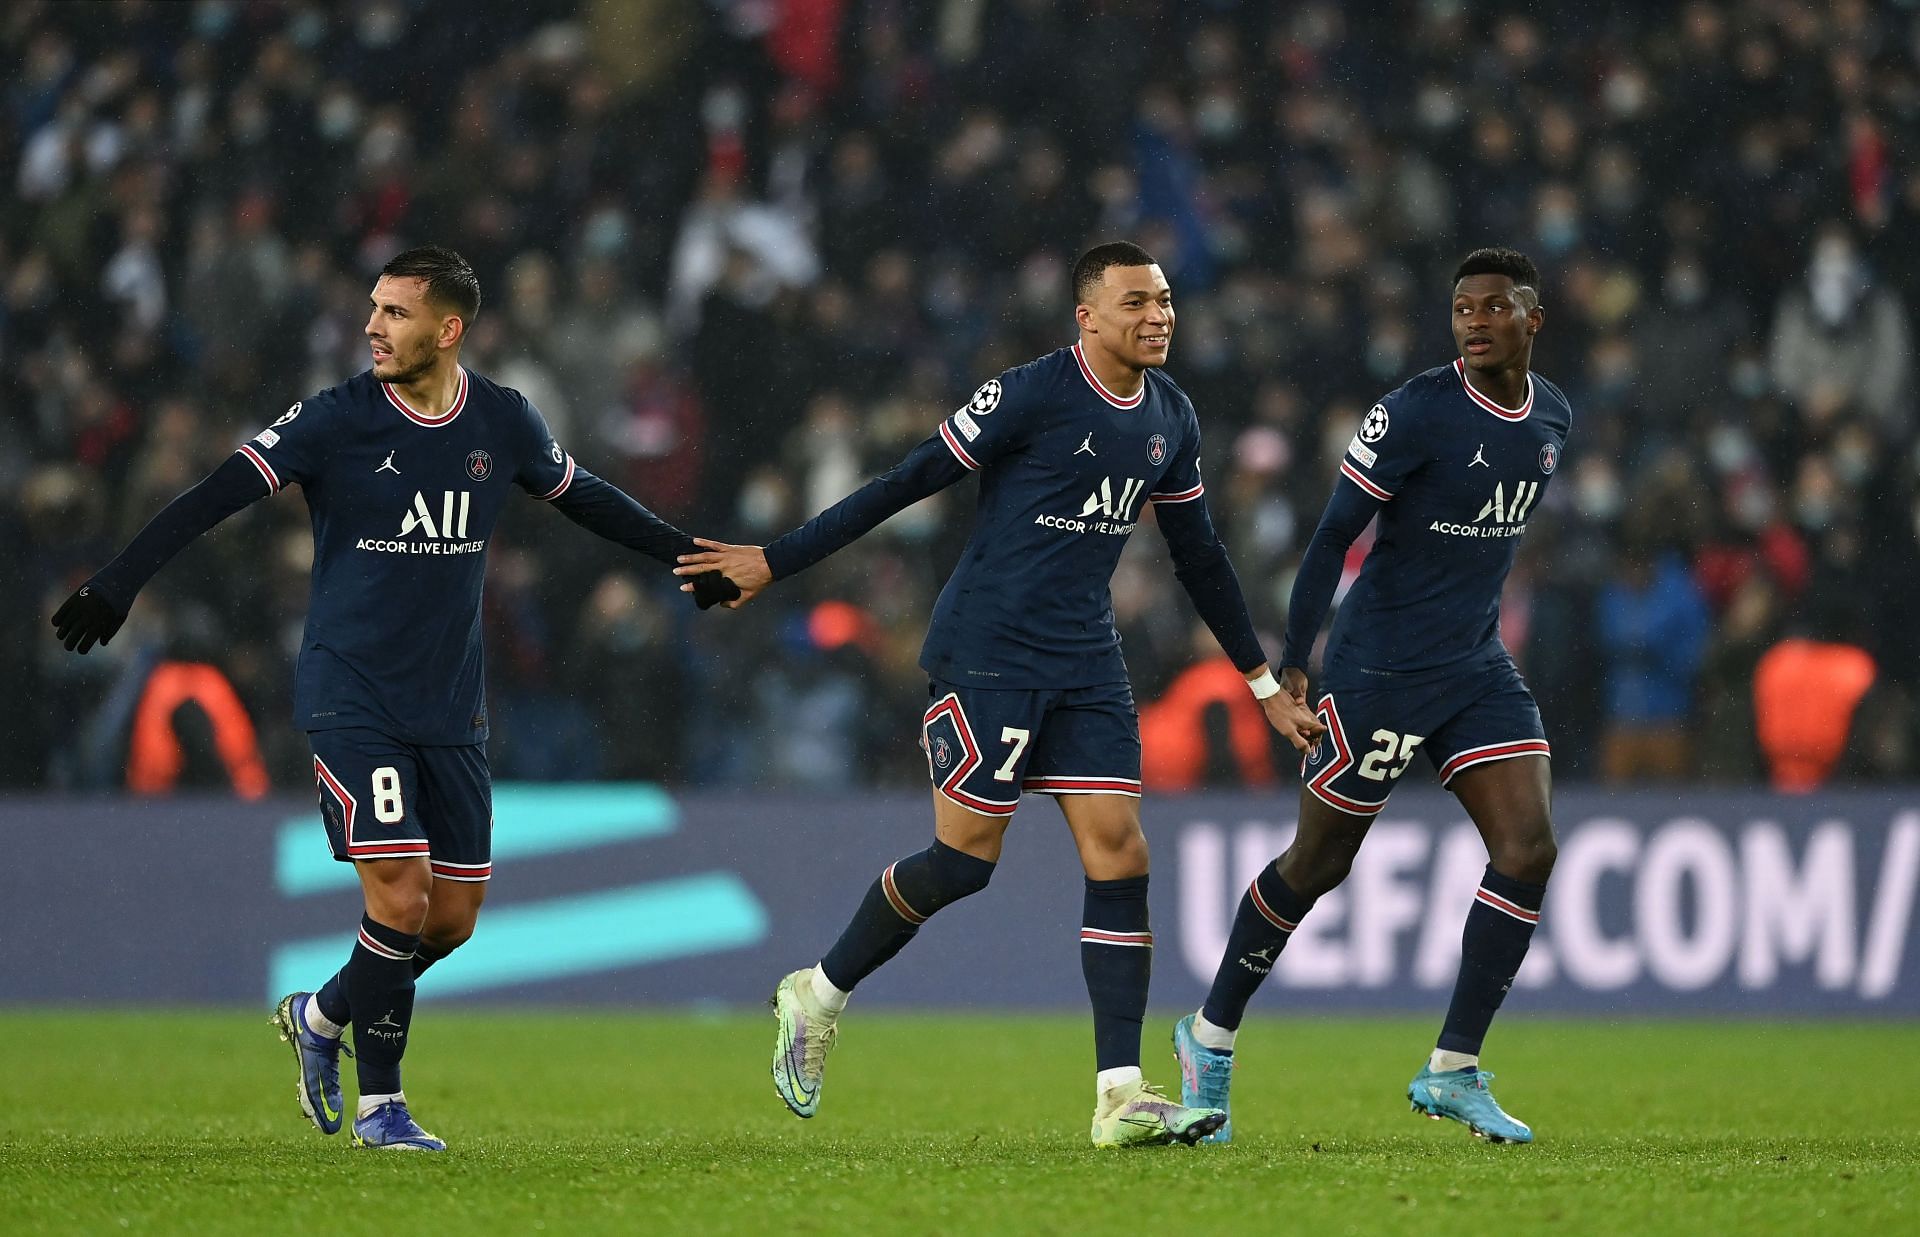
x: 1528, y: 855
x: 445, y: 938
x: 959, y: 872
x: 1114, y: 854
x: 400, y: 904
x: 1312, y: 872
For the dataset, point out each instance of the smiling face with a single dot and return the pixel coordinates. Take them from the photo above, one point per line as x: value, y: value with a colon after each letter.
x: 1494, y: 322
x: 405, y: 331
x: 1130, y: 316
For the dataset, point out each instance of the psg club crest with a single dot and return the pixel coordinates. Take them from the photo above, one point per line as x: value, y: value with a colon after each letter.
x: 1549, y: 458
x: 942, y: 754
x: 479, y: 465
x: 1156, y: 449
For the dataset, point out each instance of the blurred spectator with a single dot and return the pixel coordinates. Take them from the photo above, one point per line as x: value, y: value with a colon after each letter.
x: 1840, y: 340
x: 1804, y: 696
x: 1653, y: 630
x: 1206, y: 729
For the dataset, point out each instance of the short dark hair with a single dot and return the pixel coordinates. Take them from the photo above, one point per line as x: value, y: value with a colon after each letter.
x: 451, y: 283
x: 1494, y: 260
x: 1095, y: 261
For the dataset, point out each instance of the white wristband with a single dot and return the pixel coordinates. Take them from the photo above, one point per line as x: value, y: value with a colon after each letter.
x: 1265, y: 687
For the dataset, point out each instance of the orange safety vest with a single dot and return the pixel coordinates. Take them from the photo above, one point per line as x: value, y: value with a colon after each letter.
x: 1804, y: 695
x: 1173, y: 737
x: 155, y: 757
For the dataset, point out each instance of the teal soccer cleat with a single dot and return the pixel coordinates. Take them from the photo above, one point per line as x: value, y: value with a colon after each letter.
x: 318, y: 1059
x: 391, y: 1127
x: 1462, y: 1096
x: 1205, y: 1076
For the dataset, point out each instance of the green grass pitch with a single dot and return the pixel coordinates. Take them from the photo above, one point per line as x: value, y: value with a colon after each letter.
x: 185, y: 1122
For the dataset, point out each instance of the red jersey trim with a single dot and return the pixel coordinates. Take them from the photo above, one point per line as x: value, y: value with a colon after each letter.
x: 459, y: 403
x: 1086, y: 371
x: 1505, y: 414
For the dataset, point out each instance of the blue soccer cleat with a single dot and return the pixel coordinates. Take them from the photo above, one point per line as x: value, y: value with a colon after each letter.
x: 319, y: 1062
x: 1205, y: 1076
x: 1462, y: 1095
x: 390, y: 1127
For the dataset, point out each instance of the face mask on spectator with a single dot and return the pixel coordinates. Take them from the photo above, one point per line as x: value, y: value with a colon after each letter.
x: 339, y: 116
x: 1836, y: 281
x: 1729, y: 449
x: 1813, y: 511
x: 1685, y: 286
x: 1597, y: 495
x: 1748, y: 378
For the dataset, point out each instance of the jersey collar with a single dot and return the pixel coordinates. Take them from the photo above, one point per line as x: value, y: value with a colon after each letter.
x: 459, y: 402
x: 1086, y: 371
x: 1505, y: 414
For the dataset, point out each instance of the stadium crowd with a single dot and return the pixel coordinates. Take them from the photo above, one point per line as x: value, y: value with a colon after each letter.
x: 744, y: 253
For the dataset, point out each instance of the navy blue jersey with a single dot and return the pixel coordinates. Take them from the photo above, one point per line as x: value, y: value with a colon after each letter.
x: 402, y: 509
x: 1066, y: 469
x: 1454, y: 478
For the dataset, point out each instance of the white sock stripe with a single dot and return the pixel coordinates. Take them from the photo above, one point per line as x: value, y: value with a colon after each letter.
x: 1106, y: 936
x: 1506, y: 906
x: 899, y: 904
x: 384, y: 951
x: 1267, y: 912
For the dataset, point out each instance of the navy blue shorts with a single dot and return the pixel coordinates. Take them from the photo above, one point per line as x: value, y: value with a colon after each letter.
x: 385, y: 799
x: 1460, y: 721
x: 985, y: 746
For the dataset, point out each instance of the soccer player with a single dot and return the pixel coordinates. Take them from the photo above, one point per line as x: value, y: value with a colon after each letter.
x: 405, y: 468
x: 1452, y: 464
x: 1029, y: 691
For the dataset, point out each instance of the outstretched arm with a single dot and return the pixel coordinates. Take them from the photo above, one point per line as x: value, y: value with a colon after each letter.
x: 608, y: 511
x: 927, y: 469
x: 95, y: 612
x: 1348, y: 512
x: 1201, y: 565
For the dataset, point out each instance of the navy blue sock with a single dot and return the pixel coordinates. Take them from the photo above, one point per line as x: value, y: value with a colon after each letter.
x: 1116, y: 955
x: 332, y: 999
x: 906, y: 896
x: 424, y: 956
x: 379, y: 983
x: 1269, y: 912
x: 1500, y: 925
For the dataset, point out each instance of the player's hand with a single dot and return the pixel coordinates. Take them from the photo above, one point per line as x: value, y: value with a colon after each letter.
x: 711, y: 589
x: 744, y: 565
x: 1293, y: 719
x: 1293, y: 682
x: 86, y: 618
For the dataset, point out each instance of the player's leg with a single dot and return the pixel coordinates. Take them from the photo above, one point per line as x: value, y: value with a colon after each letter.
x: 972, y: 805
x: 456, y: 801
x: 1344, y: 784
x: 1494, y: 759
x: 453, y: 908
x: 380, y: 986
x: 363, y: 780
x: 1086, y: 752
x: 1341, y: 792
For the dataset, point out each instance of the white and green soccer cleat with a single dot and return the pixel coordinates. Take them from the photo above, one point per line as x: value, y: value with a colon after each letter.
x: 1140, y: 1115
x: 804, y: 1036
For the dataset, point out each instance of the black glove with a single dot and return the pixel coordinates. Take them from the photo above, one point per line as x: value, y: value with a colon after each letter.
x: 710, y: 588
x: 87, y: 617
